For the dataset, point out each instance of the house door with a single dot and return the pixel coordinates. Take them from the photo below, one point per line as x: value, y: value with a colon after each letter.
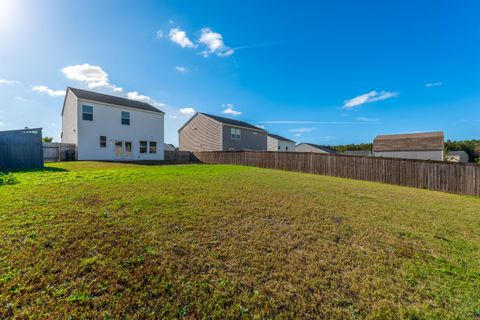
x: 128, y: 150
x: 123, y: 150
x: 119, y: 150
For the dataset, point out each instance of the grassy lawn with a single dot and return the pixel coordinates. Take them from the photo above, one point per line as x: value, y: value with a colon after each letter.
x: 103, y: 240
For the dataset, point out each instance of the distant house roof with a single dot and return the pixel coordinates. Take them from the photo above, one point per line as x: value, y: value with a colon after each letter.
x: 409, y: 142
x: 317, y: 146
x: 118, y: 101
x: 275, y: 136
x: 232, y: 122
x: 358, y: 152
x: 457, y: 153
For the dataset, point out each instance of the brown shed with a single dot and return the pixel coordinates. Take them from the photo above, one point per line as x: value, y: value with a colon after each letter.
x: 426, y: 146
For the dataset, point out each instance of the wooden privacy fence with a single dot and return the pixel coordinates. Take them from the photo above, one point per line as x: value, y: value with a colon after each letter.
x: 54, y: 151
x: 178, y: 156
x: 433, y: 175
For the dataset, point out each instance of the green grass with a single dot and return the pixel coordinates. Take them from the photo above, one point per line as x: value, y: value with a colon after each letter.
x: 105, y: 240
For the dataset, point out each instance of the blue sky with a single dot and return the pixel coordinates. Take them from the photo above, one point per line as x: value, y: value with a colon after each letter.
x: 325, y: 72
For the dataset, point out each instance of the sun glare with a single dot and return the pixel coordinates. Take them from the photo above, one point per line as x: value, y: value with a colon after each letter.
x: 8, y: 12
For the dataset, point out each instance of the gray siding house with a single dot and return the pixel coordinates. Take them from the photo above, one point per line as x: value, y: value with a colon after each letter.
x: 311, y: 147
x: 279, y: 143
x: 206, y: 132
x: 423, y: 146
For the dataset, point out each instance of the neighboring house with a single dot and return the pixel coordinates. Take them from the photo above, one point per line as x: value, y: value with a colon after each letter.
x: 206, y: 132
x: 168, y: 147
x: 457, y: 156
x: 105, y: 127
x: 311, y: 147
x: 426, y: 146
x: 363, y: 153
x: 279, y: 143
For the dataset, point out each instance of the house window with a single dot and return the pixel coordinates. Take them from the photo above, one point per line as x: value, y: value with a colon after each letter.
x: 87, y: 113
x: 235, y: 133
x: 279, y: 148
x: 143, y: 146
x: 103, y: 141
x: 126, y: 118
x: 286, y: 148
x: 153, y: 147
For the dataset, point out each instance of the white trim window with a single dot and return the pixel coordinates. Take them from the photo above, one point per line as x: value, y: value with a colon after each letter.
x: 103, y: 141
x: 152, y: 147
x: 125, y: 118
x: 87, y: 113
x: 143, y: 146
x: 235, y: 133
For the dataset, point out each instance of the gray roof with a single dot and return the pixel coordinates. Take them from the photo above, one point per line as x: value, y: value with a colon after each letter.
x: 275, y: 136
x: 118, y: 101
x: 456, y: 152
x: 319, y: 147
x: 233, y: 122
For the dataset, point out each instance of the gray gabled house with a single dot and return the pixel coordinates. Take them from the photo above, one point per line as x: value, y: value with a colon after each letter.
x: 311, y: 147
x: 206, y: 132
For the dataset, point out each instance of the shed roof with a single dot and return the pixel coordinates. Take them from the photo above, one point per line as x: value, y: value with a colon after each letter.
x: 108, y: 99
x: 409, y: 142
x: 276, y: 136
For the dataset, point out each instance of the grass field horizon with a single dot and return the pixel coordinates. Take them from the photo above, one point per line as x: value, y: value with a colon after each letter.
x: 110, y: 240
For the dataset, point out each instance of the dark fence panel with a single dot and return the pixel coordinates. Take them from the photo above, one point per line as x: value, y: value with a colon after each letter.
x: 458, y: 178
x: 179, y: 156
x: 21, y: 149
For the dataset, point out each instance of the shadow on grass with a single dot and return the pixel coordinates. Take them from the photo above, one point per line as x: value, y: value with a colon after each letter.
x: 151, y: 162
x: 44, y: 169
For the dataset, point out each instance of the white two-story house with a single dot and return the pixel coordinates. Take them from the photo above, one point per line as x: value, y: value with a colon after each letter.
x: 105, y: 127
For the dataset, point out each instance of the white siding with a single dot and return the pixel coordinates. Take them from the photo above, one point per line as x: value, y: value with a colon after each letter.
x: 144, y: 125
x: 420, y: 155
x: 69, y: 119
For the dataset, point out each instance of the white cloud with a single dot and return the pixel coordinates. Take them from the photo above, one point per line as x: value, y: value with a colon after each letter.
x: 181, y: 69
x: 214, y: 43
x: 1, y: 123
x: 227, y: 105
x: 301, y: 130
x: 159, y: 104
x: 135, y: 96
x: 232, y: 112
x: 365, y: 119
x: 117, y: 89
x: 160, y: 34
x: 20, y: 99
x: 433, y: 84
x: 372, y: 96
x: 93, y: 76
x: 50, y: 92
x: 180, y: 37
x: 297, y: 134
x: 187, y: 111
x: 6, y: 81
x: 260, y: 126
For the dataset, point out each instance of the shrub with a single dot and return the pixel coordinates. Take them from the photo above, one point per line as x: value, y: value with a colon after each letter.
x: 7, y: 178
